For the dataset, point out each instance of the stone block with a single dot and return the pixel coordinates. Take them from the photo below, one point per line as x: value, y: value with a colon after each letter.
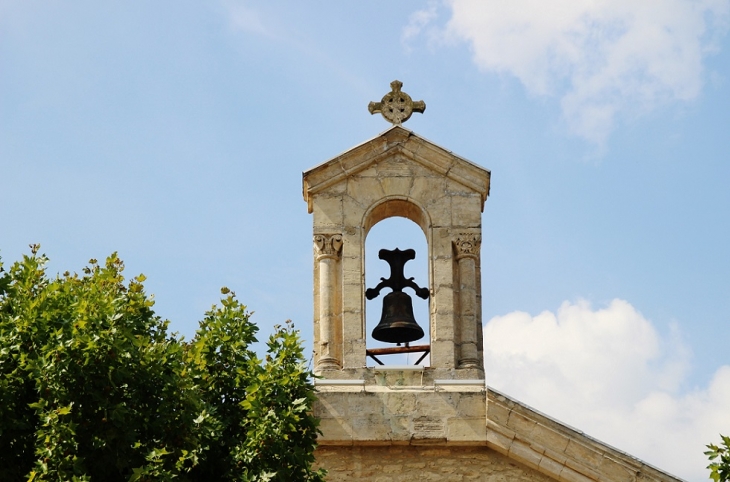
x: 428, y: 426
x: 559, y: 457
x: 570, y: 475
x: 353, y: 331
x: 466, y: 179
x: 550, y: 467
x: 354, y: 354
x: 442, y: 328
x: 400, y: 403
x: 440, y: 211
x: 525, y: 454
x: 549, y: 438
x: 352, y: 275
x: 443, y: 273
x: 371, y: 429
x: 365, y: 404
x: 585, y: 454
x: 331, y: 405
x: 364, y: 190
x: 455, y: 187
x: 370, y: 171
x: 437, y: 404
x: 613, y: 470
x: 400, y: 428
x: 352, y: 297
x: 473, y: 405
x: 460, y: 430
x: 521, y: 424
x: 334, y: 431
x: 465, y: 211
x: 499, y: 441
x: 497, y: 412
x: 353, y: 211
x: 395, y: 166
x: 353, y: 164
x: 319, y: 177
x: 396, y: 186
x: 327, y: 212
x: 426, y: 189
x: 443, y: 354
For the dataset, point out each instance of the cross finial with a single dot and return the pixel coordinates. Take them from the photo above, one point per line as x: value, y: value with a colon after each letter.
x: 397, y: 106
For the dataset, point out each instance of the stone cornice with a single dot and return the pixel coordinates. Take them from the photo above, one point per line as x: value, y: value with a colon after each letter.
x: 556, y: 450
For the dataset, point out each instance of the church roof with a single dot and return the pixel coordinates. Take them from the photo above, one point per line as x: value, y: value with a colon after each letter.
x: 555, y: 449
x: 396, y: 140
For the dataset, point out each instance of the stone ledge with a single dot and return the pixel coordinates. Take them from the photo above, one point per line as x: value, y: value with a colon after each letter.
x: 383, y: 415
x: 349, y: 383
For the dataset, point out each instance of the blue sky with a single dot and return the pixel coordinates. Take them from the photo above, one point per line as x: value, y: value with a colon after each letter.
x: 176, y: 133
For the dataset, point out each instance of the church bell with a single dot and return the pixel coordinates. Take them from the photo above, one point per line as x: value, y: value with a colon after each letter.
x: 397, y: 323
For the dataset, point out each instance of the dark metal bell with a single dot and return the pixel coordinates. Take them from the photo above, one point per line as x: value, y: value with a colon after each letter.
x: 397, y: 323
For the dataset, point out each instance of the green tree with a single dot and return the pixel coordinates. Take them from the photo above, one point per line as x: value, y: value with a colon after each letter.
x: 94, y: 387
x: 719, y: 456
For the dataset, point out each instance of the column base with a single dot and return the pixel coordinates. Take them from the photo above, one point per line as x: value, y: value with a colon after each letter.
x: 469, y: 363
x: 328, y: 363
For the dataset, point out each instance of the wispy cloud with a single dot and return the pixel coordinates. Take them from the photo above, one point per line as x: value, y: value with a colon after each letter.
x: 610, y: 373
x: 417, y: 22
x: 602, y: 58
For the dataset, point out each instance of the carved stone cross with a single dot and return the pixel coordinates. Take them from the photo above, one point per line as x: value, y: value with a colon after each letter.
x: 397, y: 106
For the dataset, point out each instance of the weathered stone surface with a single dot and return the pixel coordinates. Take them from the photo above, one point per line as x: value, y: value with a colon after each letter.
x: 393, y: 408
x: 396, y: 174
x: 422, y: 463
x: 557, y: 450
x: 396, y: 106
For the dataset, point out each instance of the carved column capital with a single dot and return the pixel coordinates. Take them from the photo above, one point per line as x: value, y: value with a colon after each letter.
x: 328, y: 245
x: 467, y: 245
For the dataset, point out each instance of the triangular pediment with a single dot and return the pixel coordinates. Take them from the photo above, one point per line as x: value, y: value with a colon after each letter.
x: 396, y: 141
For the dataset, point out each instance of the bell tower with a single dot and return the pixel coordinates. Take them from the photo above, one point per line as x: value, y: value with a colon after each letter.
x: 398, y: 173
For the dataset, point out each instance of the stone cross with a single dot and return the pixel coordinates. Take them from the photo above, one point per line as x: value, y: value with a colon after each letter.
x: 397, y: 106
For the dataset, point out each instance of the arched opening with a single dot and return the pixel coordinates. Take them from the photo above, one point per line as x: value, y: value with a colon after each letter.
x: 397, y: 224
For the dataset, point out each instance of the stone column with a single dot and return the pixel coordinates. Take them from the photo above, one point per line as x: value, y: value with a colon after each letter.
x: 328, y: 248
x: 467, y: 250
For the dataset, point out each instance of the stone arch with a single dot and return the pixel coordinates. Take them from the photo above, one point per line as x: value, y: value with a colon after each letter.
x: 400, y: 206
x: 407, y: 208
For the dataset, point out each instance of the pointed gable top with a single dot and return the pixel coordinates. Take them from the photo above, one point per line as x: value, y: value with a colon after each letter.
x: 396, y: 141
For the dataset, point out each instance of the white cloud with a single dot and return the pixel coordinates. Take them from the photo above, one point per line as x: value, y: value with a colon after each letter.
x: 417, y: 22
x: 602, y: 58
x: 609, y: 373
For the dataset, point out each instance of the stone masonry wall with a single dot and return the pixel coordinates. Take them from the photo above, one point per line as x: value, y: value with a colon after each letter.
x: 409, y: 463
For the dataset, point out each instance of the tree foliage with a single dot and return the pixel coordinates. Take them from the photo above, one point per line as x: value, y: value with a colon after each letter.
x: 94, y: 387
x: 719, y: 456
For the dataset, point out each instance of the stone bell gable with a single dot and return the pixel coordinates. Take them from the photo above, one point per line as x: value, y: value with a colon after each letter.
x: 441, y: 421
x: 398, y: 173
